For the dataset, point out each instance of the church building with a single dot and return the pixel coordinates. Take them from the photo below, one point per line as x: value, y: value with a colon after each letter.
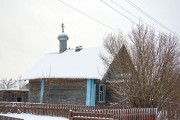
x: 70, y: 76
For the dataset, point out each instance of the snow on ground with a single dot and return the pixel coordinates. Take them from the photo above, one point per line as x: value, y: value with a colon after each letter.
x: 33, y: 117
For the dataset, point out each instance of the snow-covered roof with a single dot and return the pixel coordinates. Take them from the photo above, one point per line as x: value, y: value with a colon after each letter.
x: 15, y: 90
x: 84, y: 64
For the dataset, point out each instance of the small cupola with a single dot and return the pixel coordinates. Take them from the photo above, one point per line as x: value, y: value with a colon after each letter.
x: 62, y: 40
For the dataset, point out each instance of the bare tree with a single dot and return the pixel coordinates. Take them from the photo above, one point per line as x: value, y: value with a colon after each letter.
x: 145, y: 72
x: 8, y: 84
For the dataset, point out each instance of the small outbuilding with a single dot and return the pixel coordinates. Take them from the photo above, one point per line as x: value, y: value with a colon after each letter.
x: 14, y: 95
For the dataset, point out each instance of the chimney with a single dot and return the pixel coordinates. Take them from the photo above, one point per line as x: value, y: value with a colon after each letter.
x: 78, y: 48
x: 62, y: 40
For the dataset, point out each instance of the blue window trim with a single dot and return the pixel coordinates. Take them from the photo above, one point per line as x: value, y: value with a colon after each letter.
x: 102, y: 94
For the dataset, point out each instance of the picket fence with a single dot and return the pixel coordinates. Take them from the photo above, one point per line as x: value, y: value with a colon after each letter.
x: 76, y: 115
x: 64, y: 111
x: 116, y: 114
x: 9, y: 118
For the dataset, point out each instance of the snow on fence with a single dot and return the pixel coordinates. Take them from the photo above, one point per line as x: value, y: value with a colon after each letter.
x: 115, y: 114
x: 63, y: 110
x: 45, y: 109
x: 9, y: 118
x: 91, y: 115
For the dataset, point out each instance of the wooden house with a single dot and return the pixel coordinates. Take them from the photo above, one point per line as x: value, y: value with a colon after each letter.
x: 70, y: 76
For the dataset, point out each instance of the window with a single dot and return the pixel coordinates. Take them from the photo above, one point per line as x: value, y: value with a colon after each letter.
x: 102, y: 93
x: 19, y: 99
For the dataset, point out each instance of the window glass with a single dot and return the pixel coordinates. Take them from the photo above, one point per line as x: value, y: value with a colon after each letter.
x: 102, y: 93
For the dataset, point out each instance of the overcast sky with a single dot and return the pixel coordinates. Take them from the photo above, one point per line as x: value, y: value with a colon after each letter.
x: 29, y: 28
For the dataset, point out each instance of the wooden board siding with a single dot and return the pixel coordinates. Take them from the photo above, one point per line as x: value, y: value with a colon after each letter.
x: 59, y: 91
x: 34, y: 90
x: 111, y: 96
x: 97, y: 92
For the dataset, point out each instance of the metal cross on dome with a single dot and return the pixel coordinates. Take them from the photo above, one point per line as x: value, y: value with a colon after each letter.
x: 62, y: 25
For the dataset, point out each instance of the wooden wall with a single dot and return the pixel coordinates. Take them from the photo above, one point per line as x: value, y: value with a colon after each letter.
x: 59, y: 91
x: 111, y: 95
x: 14, y: 95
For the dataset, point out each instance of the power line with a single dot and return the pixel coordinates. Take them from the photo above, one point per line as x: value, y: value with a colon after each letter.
x: 119, y: 12
x: 128, y: 17
x: 87, y: 15
x: 149, y: 16
x: 124, y: 9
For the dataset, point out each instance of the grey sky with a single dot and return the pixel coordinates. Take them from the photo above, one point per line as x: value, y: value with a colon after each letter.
x: 29, y: 28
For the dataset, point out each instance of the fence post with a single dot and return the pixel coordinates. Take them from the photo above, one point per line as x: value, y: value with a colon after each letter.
x: 114, y: 117
x: 70, y: 114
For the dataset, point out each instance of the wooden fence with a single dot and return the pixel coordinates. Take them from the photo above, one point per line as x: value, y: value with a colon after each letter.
x: 63, y: 110
x: 116, y: 114
x: 9, y: 118
x: 75, y: 115
x: 46, y: 109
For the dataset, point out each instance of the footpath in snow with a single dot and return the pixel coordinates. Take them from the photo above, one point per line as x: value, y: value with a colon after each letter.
x: 33, y: 117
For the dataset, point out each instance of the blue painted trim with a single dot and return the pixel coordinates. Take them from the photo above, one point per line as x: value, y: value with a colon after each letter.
x: 90, y: 93
x: 42, y: 92
x: 93, y: 94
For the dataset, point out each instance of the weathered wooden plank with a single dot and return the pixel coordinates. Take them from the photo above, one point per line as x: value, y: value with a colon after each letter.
x: 60, y: 91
